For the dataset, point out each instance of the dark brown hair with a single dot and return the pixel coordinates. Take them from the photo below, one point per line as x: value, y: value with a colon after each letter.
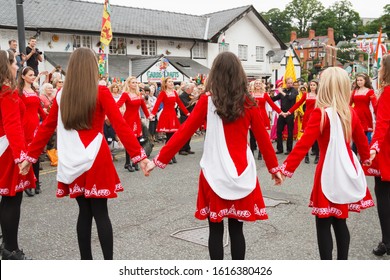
x: 21, y: 82
x: 79, y: 94
x: 6, y: 76
x: 227, y: 83
x: 367, y: 80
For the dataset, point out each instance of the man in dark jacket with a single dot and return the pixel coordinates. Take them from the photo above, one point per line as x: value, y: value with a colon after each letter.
x: 185, y: 97
x: 287, y: 98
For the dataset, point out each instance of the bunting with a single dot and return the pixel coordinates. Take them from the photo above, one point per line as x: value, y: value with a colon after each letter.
x: 106, y: 32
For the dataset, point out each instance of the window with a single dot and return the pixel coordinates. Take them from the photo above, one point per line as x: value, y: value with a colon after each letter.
x: 118, y: 46
x: 259, y: 53
x: 243, y: 52
x: 148, y: 47
x: 82, y: 41
x: 223, y: 47
x: 199, y: 50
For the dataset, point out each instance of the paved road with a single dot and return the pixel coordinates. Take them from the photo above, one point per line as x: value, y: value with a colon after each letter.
x: 150, y: 210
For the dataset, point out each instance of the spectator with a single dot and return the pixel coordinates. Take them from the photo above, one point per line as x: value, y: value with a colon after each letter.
x: 33, y: 55
x: 20, y: 57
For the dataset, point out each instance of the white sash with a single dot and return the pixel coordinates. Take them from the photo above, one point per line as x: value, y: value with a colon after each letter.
x: 73, y: 158
x: 217, y: 165
x: 341, y: 182
x: 3, y: 144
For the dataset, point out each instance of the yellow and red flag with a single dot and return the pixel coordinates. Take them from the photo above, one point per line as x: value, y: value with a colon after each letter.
x: 290, y: 71
x: 106, y: 33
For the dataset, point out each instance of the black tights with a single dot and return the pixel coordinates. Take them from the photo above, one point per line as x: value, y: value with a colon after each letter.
x: 237, y: 240
x: 10, y: 217
x: 94, y: 208
x: 324, y: 237
x: 382, y: 193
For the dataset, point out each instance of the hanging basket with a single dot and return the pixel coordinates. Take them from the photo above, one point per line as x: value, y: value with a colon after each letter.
x: 55, y: 38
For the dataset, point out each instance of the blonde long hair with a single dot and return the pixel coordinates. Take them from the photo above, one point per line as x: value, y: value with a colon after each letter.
x: 334, y: 91
x: 126, y: 87
x: 79, y: 94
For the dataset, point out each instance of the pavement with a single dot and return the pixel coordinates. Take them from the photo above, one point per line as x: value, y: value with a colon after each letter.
x: 153, y: 219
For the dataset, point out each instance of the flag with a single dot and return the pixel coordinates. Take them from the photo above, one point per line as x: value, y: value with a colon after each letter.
x: 377, y: 59
x: 106, y: 32
x: 290, y: 71
x: 223, y: 39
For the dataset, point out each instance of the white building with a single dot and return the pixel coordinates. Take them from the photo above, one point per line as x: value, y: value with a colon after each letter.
x: 142, y: 37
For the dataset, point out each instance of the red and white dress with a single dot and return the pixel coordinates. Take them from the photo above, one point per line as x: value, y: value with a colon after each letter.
x: 321, y: 205
x: 131, y: 115
x: 381, y: 139
x: 209, y: 204
x: 100, y: 179
x: 310, y: 100
x: 168, y: 121
x: 12, y: 144
x: 34, y: 113
x: 362, y: 107
x: 261, y: 99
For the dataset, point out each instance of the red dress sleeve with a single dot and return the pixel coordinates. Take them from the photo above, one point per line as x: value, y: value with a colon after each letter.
x: 351, y: 101
x: 181, y: 105
x: 263, y: 141
x: 312, y: 132
x: 144, y: 108
x: 298, y: 104
x: 158, y: 102
x: 121, y: 128
x: 45, y: 131
x: 122, y: 100
x: 271, y: 103
x: 185, y: 132
x: 382, y: 120
x: 359, y: 137
x: 41, y: 113
x: 10, y: 114
x: 374, y: 100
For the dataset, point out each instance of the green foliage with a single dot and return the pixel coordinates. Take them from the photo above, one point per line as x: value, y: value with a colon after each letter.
x: 279, y: 22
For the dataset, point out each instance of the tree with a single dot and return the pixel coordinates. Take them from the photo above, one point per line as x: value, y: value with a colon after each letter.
x: 384, y: 21
x: 348, y: 21
x: 279, y: 22
x: 303, y: 12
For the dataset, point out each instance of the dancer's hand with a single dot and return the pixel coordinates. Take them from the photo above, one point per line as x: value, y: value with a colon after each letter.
x: 151, y: 165
x: 24, y: 167
x: 278, y: 177
x: 143, y: 164
x: 372, y: 155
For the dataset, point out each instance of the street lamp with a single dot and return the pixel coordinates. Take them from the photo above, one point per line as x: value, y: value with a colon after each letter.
x: 352, y: 55
x: 312, y: 53
x: 322, y: 53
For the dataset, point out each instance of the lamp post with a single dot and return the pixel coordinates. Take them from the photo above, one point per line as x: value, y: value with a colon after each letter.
x: 352, y: 57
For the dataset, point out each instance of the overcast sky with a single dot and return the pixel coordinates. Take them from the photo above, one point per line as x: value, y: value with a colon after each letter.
x: 366, y: 8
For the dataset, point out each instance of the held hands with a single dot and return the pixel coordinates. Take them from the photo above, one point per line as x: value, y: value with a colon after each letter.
x: 144, y: 163
x: 24, y: 167
x: 285, y: 114
x: 278, y: 177
x: 372, y: 156
x: 151, y: 165
x: 151, y: 117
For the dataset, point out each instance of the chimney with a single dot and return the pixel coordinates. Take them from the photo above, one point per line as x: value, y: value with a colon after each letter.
x: 293, y: 36
x: 312, y: 34
x: 330, y: 34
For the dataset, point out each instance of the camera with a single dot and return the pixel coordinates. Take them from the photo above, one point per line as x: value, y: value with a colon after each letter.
x: 38, y: 51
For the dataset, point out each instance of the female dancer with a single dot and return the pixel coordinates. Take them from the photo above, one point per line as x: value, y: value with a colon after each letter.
x: 310, y: 101
x: 34, y: 114
x: 381, y: 147
x: 228, y: 185
x: 362, y: 95
x: 339, y: 182
x: 168, y: 121
x: 12, y: 153
x: 261, y: 98
x: 134, y: 101
x: 85, y: 169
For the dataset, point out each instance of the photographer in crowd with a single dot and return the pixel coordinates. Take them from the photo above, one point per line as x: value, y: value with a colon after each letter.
x: 33, y: 55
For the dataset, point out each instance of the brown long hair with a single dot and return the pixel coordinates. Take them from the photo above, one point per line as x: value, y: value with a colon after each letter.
x: 384, y: 73
x: 21, y: 82
x: 79, y: 94
x: 227, y: 83
x: 6, y: 76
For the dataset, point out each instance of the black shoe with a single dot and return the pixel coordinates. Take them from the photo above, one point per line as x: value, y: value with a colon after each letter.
x: 307, y: 160
x: 130, y: 168
x: 190, y: 152
x: 136, y: 167
x: 38, y: 189
x: 287, y: 153
x: 183, y: 153
x: 14, y: 255
x: 174, y: 160
x: 126, y: 166
x: 316, y: 160
x: 171, y: 161
x: 381, y: 250
x: 279, y: 152
x: 29, y: 192
x: 259, y: 156
x: 313, y: 153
